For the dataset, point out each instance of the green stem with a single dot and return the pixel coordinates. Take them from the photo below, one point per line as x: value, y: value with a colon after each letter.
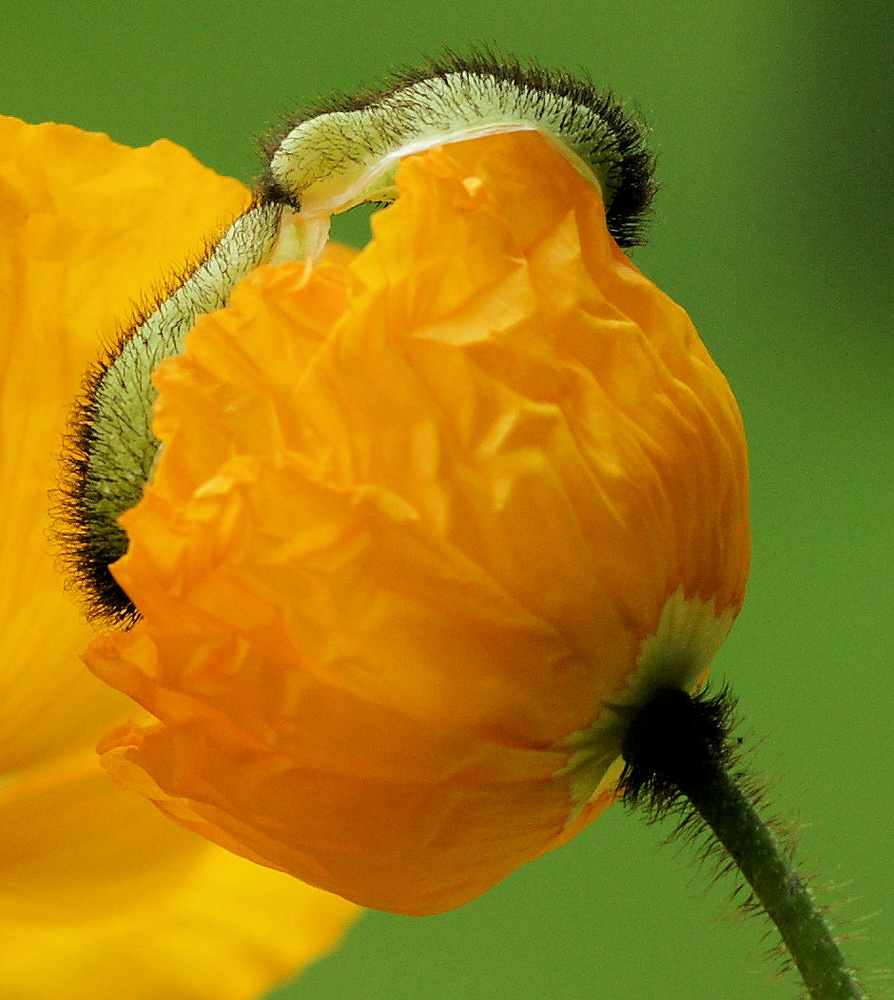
x: 677, y: 746
x: 783, y: 894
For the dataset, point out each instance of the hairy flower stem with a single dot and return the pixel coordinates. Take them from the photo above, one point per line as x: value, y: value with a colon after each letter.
x: 678, y: 746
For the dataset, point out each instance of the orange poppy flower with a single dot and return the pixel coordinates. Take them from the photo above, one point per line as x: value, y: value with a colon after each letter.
x: 100, y: 895
x: 425, y: 525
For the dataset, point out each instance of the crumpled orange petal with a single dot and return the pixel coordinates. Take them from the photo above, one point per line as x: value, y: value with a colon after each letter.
x: 417, y: 520
x: 100, y: 895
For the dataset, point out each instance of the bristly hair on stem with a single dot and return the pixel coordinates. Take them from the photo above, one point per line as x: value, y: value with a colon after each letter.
x: 668, y: 746
x: 679, y: 755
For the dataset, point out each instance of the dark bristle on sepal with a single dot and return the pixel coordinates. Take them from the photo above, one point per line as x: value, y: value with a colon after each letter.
x: 87, y: 535
x: 88, y: 546
x: 627, y: 214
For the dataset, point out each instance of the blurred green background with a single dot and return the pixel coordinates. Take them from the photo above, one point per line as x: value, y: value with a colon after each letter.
x: 772, y: 123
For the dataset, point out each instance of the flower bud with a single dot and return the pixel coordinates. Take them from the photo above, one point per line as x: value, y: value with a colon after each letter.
x: 427, y: 525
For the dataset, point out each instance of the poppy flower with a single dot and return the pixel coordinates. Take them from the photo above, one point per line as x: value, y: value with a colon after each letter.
x: 100, y: 895
x: 426, y: 527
